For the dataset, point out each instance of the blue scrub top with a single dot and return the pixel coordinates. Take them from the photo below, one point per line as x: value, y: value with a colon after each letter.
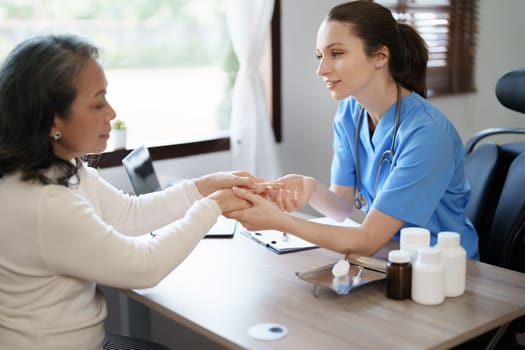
x: 425, y: 186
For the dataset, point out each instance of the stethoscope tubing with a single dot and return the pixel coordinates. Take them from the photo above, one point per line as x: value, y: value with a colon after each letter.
x: 360, y: 201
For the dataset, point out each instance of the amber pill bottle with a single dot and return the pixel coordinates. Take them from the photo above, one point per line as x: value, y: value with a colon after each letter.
x: 398, y: 275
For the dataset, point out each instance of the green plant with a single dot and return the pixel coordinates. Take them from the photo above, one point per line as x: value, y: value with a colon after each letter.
x: 118, y: 124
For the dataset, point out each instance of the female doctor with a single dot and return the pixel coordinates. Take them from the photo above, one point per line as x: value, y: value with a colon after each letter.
x: 396, y: 156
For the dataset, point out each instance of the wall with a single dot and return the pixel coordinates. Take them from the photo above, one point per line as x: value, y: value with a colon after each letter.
x: 308, y: 108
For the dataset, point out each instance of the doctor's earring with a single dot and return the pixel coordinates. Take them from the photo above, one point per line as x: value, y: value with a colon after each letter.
x: 57, y: 135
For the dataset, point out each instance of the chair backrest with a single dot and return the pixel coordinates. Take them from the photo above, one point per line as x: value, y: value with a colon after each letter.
x: 510, y: 89
x: 507, y: 234
x: 480, y: 170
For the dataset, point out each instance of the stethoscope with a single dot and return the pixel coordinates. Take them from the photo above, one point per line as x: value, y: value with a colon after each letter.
x: 387, y: 157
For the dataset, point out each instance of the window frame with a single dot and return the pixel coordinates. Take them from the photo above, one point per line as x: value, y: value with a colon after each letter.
x: 114, y: 158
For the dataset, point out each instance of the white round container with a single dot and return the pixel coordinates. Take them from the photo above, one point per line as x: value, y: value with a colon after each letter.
x: 454, y: 259
x: 428, y: 277
x: 412, y: 239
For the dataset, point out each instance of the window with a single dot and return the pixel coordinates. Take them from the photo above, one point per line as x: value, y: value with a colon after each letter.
x: 170, y: 65
x: 449, y: 28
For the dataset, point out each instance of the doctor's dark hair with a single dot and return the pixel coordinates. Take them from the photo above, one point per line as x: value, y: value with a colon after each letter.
x: 375, y: 25
x: 37, y: 83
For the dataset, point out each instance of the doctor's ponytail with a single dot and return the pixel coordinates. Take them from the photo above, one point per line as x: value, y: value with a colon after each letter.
x: 409, y: 65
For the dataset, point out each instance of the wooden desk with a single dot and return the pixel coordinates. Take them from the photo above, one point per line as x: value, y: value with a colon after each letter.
x: 228, y: 285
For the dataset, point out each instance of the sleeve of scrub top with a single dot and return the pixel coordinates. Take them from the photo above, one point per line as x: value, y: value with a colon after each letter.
x: 420, y: 176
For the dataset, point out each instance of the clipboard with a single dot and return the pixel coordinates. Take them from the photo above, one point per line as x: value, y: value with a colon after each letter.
x: 273, y: 240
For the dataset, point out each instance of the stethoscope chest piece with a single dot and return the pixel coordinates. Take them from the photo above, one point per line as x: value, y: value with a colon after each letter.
x: 360, y: 202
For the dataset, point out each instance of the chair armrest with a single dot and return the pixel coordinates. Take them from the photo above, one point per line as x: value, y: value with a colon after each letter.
x: 489, y: 132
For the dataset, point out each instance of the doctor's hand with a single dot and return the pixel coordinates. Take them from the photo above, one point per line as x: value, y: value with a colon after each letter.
x: 210, y: 183
x: 262, y: 215
x: 295, y: 192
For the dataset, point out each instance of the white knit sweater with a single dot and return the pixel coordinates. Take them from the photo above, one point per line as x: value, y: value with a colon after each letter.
x: 56, y: 243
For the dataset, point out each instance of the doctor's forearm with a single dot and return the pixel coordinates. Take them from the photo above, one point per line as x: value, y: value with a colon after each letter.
x: 344, y: 240
x: 330, y: 204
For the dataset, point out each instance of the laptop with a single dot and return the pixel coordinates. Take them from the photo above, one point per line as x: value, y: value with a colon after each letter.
x: 143, y: 178
x: 139, y: 167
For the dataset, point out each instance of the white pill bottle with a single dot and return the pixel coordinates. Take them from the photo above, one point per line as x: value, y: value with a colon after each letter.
x: 412, y: 239
x: 454, y: 258
x: 428, y: 277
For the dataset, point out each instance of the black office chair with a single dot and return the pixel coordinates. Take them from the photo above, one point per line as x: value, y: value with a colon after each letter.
x: 496, y: 173
x: 115, y: 341
x: 119, y: 342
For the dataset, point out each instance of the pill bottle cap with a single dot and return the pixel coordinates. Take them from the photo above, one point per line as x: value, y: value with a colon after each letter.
x: 398, y: 256
x: 429, y: 255
x: 341, y: 268
x: 414, y: 236
x: 448, y: 239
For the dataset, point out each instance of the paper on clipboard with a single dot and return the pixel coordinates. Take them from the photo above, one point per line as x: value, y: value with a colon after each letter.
x: 273, y: 239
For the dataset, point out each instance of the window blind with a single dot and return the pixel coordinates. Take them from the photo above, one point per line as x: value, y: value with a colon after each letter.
x: 449, y: 28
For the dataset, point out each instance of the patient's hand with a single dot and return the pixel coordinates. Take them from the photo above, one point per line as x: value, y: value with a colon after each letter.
x: 295, y: 191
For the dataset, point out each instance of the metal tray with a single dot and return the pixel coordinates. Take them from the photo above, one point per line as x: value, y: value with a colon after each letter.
x: 363, y: 270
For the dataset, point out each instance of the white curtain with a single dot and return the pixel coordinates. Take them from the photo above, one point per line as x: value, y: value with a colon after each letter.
x: 252, y: 140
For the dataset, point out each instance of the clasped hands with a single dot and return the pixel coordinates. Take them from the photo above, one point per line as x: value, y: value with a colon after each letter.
x: 255, y: 202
